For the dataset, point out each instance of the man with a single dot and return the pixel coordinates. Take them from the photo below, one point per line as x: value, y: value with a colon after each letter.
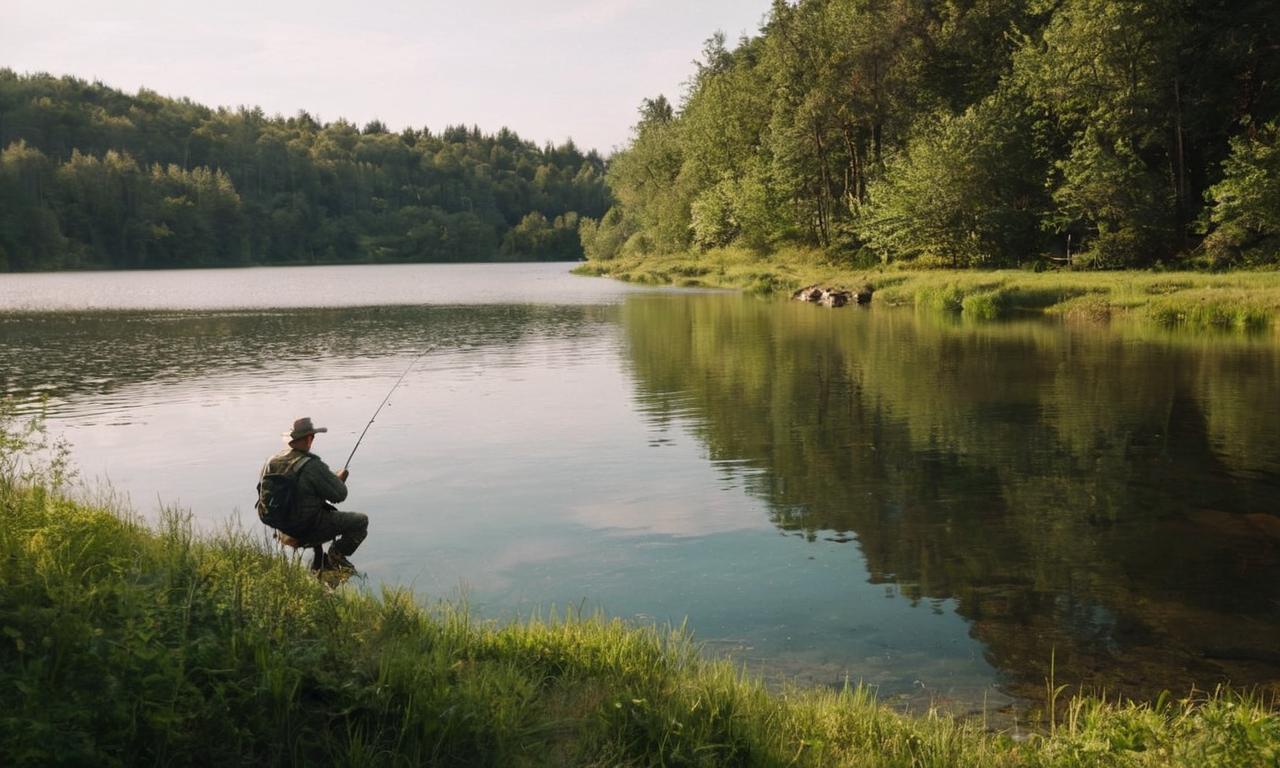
x: 312, y: 519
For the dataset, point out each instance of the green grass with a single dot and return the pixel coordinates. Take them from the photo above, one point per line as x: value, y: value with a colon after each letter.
x: 123, y: 643
x: 1243, y: 301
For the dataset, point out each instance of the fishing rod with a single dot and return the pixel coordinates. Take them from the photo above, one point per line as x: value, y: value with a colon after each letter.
x: 414, y: 362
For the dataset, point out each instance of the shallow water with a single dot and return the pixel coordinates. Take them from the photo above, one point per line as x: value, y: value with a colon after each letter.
x: 932, y: 507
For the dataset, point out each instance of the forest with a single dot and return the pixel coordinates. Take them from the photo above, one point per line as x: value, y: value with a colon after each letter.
x: 91, y: 177
x: 956, y: 133
x: 968, y: 133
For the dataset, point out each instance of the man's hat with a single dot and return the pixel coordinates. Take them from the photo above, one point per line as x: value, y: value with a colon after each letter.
x: 303, y: 427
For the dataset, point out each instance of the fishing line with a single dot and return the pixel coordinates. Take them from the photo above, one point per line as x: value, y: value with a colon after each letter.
x: 347, y: 463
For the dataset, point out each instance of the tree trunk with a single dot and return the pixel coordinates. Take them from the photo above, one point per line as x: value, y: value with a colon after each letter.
x: 855, y: 187
x: 824, y: 189
x: 1180, y: 166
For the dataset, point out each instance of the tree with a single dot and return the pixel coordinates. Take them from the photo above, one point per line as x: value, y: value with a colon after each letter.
x: 236, y: 185
x: 99, y: 205
x: 1107, y: 74
x: 965, y: 192
x: 603, y: 240
x: 537, y: 238
x: 29, y: 234
x: 1245, y: 215
x: 646, y: 180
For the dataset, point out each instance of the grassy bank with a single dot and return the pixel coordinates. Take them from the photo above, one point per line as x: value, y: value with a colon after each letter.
x: 1237, y: 300
x: 122, y: 643
x: 138, y: 645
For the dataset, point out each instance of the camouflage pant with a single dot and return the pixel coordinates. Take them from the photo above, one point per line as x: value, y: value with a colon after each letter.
x: 347, y: 529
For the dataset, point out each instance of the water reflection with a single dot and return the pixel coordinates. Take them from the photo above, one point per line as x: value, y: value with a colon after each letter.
x: 1078, y: 493
x: 926, y: 506
x: 85, y: 360
x: 513, y: 465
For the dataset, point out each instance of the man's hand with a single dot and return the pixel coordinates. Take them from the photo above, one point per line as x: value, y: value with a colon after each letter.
x: 343, y: 474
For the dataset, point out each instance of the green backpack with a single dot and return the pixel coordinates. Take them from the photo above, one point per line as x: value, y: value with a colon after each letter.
x: 278, y: 493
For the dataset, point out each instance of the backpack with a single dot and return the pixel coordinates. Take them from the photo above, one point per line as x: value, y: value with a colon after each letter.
x: 278, y: 492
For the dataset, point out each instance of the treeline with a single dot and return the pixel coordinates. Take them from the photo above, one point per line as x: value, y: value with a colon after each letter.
x: 969, y: 133
x: 94, y: 177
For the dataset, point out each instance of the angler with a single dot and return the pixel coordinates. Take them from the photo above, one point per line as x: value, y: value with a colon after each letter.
x: 296, y: 494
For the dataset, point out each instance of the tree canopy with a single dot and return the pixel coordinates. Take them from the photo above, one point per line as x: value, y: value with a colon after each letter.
x: 969, y: 132
x: 94, y: 177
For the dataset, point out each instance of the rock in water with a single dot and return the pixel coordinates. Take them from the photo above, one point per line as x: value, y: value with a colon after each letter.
x: 808, y: 293
x: 834, y: 298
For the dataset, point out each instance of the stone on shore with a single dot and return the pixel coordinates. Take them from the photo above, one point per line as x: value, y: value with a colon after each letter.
x: 833, y: 297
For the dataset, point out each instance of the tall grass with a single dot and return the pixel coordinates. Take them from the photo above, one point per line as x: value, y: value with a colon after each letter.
x: 123, y: 643
x: 1244, y: 301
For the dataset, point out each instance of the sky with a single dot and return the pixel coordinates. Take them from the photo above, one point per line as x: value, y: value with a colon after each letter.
x: 548, y: 69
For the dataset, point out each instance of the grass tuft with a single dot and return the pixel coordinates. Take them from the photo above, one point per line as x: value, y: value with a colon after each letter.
x: 987, y: 305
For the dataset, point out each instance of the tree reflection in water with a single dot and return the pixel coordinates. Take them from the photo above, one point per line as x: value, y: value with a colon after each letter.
x: 1083, y: 493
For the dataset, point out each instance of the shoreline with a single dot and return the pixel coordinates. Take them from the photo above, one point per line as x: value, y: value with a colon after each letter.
x: 1242, y: 301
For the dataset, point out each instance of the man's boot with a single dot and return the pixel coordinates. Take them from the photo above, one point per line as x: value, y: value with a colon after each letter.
x: 337, y: 561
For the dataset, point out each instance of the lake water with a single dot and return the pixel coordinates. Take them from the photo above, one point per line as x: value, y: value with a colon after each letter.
x: 931, y: 507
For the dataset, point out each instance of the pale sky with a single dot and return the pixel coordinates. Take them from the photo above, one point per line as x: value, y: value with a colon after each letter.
x: 548, y: 69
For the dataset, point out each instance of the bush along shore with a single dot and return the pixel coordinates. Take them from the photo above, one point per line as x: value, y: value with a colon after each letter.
x: 1244, y: 300
x: 127, y: 643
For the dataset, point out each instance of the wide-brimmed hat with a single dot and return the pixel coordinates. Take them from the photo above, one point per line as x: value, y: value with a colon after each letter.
x: 303, y: 427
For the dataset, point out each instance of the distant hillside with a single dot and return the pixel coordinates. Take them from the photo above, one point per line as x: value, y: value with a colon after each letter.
x: 91, y: 176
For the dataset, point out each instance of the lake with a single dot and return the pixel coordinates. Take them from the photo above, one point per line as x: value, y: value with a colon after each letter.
x: 932, y: 507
